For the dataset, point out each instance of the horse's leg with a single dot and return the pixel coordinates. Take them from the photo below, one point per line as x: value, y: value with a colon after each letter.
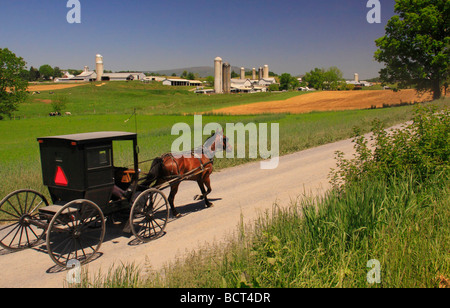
x: 207, y: 183
x: 173, y: 192
x: 202, y: 189
x: 204, y: 194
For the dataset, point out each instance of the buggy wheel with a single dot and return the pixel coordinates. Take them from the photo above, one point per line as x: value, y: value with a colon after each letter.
x: 149, y: 215
x: 20, y: 226
x: 76, y: 232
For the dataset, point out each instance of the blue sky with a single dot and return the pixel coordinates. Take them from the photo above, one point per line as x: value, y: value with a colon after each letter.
x: 291, y: 36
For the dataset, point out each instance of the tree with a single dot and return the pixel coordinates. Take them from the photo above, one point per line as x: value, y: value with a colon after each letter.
x: 315, y: 78
x: 285, y: 80
x: 288, y: 82
x: 210, y: 80
x: 34, y: 74
x: 320, y: 79
x: 190, y: 76
x: 13, y: 86
x: 46, y: 71
x: 274, y: 87
x: 333, y: 78
x: 57, y: 73
x: 415, y: 47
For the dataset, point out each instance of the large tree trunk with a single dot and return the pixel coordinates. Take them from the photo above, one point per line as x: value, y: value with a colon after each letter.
x: 436, y: 89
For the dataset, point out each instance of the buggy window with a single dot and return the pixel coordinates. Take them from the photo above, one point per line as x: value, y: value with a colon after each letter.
x: 98, y: 157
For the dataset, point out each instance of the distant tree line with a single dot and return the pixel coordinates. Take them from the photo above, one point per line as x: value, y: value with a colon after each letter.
x: 45, y: 72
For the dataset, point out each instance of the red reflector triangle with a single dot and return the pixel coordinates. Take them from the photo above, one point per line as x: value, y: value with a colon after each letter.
x: 60, y: 177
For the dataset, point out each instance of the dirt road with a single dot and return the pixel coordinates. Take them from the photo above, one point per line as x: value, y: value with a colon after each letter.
x: 244, y: 191
x: 329, y: 100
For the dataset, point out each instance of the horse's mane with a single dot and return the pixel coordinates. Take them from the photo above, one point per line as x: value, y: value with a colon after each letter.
x: 203, y: 149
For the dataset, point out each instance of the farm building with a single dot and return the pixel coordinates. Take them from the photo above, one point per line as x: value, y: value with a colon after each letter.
x: 241, y: 85
x: 85, y: 76
x: 266, y: 81
x: 137, y: 75
x: 117, y: 77
x: 250, y: 86
x: 181, y: 82
x: 122, y: 76
x: 65, y: 77
x: 153, y: 78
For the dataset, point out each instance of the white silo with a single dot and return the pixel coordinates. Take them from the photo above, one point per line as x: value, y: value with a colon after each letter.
x: 218, y: 86
x: 356, y: 78
x: 266, y: 72
x: 254, y: 74
x: 99, y: 66
x: 242, y: 73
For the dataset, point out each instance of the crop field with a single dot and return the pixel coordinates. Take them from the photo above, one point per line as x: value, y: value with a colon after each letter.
x: 330, y: 101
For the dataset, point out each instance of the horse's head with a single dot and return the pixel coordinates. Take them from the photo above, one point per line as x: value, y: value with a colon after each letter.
x: 218, y: 142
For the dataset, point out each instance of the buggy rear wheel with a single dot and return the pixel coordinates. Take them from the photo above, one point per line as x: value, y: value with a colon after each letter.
x: 76, y: 232
x: 20, y: 225
x: 149, y: 215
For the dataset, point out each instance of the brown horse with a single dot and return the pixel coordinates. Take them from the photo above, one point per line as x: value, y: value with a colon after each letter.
x: 170, y: 166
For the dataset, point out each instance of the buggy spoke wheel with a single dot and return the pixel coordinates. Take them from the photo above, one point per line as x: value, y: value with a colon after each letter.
x: 18, y: 211
x: 76, y: 232
x: 149, y: 215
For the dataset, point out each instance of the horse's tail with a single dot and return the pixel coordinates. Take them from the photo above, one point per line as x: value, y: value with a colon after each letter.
x: 155, y: 171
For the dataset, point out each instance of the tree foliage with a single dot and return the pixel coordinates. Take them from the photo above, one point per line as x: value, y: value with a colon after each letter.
x: 46, y: 71
x: 288, y: 82
x: 320, y: 79
x: 415, y: 48
x: 13, y: 86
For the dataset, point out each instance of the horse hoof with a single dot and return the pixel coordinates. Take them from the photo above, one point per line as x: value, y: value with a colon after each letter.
x: 198, y: 197
x: 177, y: 215
x: 210, y: 205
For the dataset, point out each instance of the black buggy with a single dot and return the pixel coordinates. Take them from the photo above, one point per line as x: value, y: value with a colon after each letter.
x: 85, y: 187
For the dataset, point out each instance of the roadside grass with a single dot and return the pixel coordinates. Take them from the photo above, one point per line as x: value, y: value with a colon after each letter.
x: 389, y: 207
x: 326, y: 242
x: 322, y: 242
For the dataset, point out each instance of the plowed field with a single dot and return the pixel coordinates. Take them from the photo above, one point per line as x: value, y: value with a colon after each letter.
x: 51, y: 87
x: 329, y: 100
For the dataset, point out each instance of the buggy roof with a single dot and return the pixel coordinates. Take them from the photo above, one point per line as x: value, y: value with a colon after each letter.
x: 93, y: 137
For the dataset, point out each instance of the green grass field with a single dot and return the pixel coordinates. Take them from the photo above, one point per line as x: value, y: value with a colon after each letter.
x: 20, y: 158
x: 146, y: 98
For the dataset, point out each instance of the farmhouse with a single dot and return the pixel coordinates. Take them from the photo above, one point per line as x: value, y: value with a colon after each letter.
x: 266, y: 81
x: 250, y: 86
